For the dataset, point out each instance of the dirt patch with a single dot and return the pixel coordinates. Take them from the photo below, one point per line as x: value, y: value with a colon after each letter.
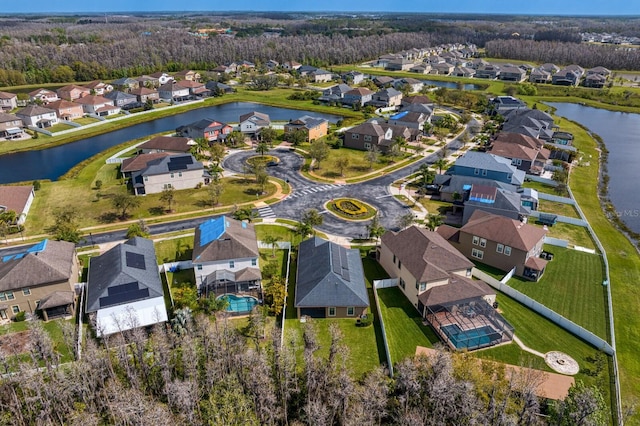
x: 15, y: 343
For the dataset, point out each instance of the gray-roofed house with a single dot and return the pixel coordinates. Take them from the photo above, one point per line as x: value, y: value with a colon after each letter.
x: 10, y: 126
x: 488, y: 166
x: 226, y: 258
x: 595, y: 81
x: 37, y: 116
x: 314, y: 127
x: 320, y: 76
x: 530, y: 122
x: 124, y: 290
x: 218, y: 88
x: 329, y: 281
x: 489, y: 71
x: 173, y: 92
x: 353, y: 77
x: 463, y: 72
x: 442, y: 68
x: 175, y: 171
x: 357, y: 96
x: 511, y: 73
x: 502, y: 104
x: 538, y: 75
x: 122, y: 99
x: 568, y: 76
x: 413, y: 84
x: 172, y: 144
x: 39, y: 278
x: 144, y: 94
x: 389, y: 97
x: 253, y: 122
x: 399, y: 64
x: 125, y: 83
x: 139, y: 162
x: 334, y: 93
x: 495, y: 200
x: 450, y: 185
x: 410, y: 119
x: 8, y: 101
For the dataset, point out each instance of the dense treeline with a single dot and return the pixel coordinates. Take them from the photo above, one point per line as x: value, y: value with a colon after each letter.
x: 585, y: 55
x: 207, y: 373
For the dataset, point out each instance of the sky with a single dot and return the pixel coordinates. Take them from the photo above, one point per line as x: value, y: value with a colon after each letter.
x: 539, y: 7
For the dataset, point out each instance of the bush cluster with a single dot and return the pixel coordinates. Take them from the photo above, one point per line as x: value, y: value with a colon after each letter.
x: 350, y: 207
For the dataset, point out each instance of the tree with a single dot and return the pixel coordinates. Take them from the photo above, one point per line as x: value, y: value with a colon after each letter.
x: 440, y: 163
x: 433, y: 221
x: 168, y: 196
x: 318, y: 151
x: 234, y: 138
x: 425, y: 174
x: 217, y: 151
x: 65, y: 226
x: 342, y: 163
x: 312, y: 217
x: 272, y: 241
x: 584, y: 405
x: 98, y: 184
x: 304, y: 229
x: 198, y: 150
x: 36, y: 185
x: 406, y: 220
x: 263, y: 82
x: 138, y: 229
x: 395, y: 151
x: 262, y: 148
x: 375, y: 228
x: 124, y: 203
x: 371, y: 156
x: 268, y: 135
x: 262, y: 178
x: 214, y: 191
x: 245, y: 213
x: 296, y: 136
x: 275, y: 292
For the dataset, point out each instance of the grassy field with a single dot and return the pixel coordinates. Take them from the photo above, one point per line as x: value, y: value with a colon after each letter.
x: 555, y: 207
x: 540, y: 187
x: 358, y: 164
x: 435, y: 206
x: 571, y: 286
x: 576, y: 235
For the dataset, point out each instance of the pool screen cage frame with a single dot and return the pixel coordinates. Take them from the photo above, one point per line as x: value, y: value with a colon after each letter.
x: 468, y: 314
x: 223, y: 282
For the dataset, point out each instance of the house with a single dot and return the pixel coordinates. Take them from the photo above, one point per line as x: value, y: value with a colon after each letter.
x: 37, y: 116
x: 207, y: 128
x: 320, y: 76
x: 500, y: 242
x: 125, y: 83
x: 442, y: 68
x: 379, y: 136
x: 144, y: 94
x: 253, y: 122
x: 414, y: 100
x: 421, y: 68
x: 217, y: 88
x: 171, y: 144
x: 10, y: 126
x: 271, y: 65
x: 383, y: 81
x: 147, y: 81
x: 386, y: 98
x: 334, y: 93
x: 410, y: 119
x: 226, y: 258
x: 66, y: 110
x: 413, y: 84
x: 399, y: 65
x: 436, y: 279
x: 488, y: 71
x: 487, y: 166
x: 173, y: 92
x: 17, y: 199
x: 568, y: 76
x: 139, y: 162
x: 196, y: 89
x: 455, y: 188
x: 492, y: 199
x: 353, y: 77
x: 124, y: 290
x: 550, y: 68
x: 329, y: 281
x: 72, y: 92
x: 478, y: 62
x: 314, y: 127
x: 530, y: 122
x: 538, y: 75
x: 526, y: 153
x: 43, y: 96
x: 97, y: 87
x: 175, y: 171
x: 463, y: 72
x: 595, y: 81
x: 511, y: 73
x: 187, y: 75
x: 39, y: 279
x: 358, y: 96
x: 226, y: 68
x: 98, y: 105
x: 291, y: 65
x: 604, y: 72
x: 162, y: 77
x: 123, y: 100
x: 502, y: 104
x: 8, y: 101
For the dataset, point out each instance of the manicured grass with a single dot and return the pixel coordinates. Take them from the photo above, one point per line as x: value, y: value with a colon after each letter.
x: 282, y: 233
x: 86, y: 120
x: 540, y: 187
x: 576, y: 235
x: 494, y: 272
x: 174, y: 250
x: 571, y: 286
x: 555, y: 207
x: 358, y: 164
x: 59, y: 127
x: 435, y: 206
x: 403, y: 323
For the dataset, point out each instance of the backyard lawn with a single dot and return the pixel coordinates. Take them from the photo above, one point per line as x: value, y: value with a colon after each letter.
x: 540, y: 187
x: 576, y: 235
x: 555, y: 207
x: 174, y: 249
x: 571, y: 286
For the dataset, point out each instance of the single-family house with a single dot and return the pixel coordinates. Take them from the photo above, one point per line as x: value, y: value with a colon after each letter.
x: 550, y: 68
x: 379, y: 136
x: 320, y: 76
x: 436, y: 279
x: 291, y: 65
x: 180, y: 171
x: 606, y: 73
x: 8, y: 101
x: 10, y: 126
x: 525, y: 152
x: 538, y: 75
x: 385, y: 98
x: 329, y: 281
x: 271, y: 65
x: 253, y: 122
x: 511, y: 73
x: 66, y: 110
x: 399, y: 65
x: 122, y: 99
x: 314, y: 127
x: 595, y: 81
x: 98, y: 87
x: 43, y: 96
x: 98, y: 105
x: 187, y: 75
x: 163, y: 77
x: 207, y: 128
x: 383, y: 81
x: 463, y: 72
x: 226, y: 68
x: 334, y: 93
x: 477, y: 63
x: 410, y: 119
x: 139, y: 162
x: 124, y: 289
x: 72, y: 92
x: 358, y: 96
x: 413, y: 84
x: 171, y: 144
x: 40, y: 280
x: 17, y: 199
x: 144, y: 94
x: 500, y: 242
x: 37, y: 116
x: 226, y: 258
x: 173, y: 92
x: 502, y: 104
x: 495, y: 200
x: 414, y: 100
x: 488, y: 71
x: 217, y: 88
x: 422, y: 68
x: 442, y: 68
x: 568, y: 76
x: 530, y: 122
x: 455, y: 188
x: 147, y: 81
x: 353, y: 77
x: 196, y: 89
x: 125, y: 83
x: 488, y: 166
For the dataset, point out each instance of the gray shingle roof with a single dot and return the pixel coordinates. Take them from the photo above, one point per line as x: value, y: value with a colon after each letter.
x: 126, y: 273
x: 329, y: 275
x: 224, y: 238
x: 172, y: 163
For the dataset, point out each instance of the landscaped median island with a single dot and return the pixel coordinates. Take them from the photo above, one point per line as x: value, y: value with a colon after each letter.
x: 351, y: 209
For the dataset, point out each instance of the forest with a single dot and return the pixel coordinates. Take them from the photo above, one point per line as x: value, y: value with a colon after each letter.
x: 210, y: 371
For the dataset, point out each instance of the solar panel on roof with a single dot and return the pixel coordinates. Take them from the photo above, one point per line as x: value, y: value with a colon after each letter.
x: 135, y: 260
x: 124, y: 293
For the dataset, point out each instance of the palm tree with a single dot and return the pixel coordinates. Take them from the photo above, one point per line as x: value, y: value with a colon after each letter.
x: 376, y: 230
x: 262, y: 148
x: 245, y: 213
x: 440, y: 163
x: 272, y: 241
x: 426, y: 174
x: 433, y: 221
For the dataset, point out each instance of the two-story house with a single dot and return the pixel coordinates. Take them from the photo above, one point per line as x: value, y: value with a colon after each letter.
x: 72, y: 92
x: 172, y: 172
x: 412, y: 84
x: 530, y: 122
x: 385, y: 98
x: 98, y: 105
x: 314, y: 127
x: 66, y: 110
x: 226, y: 258
x: 122, y: 99
x: 353, y: 77
x: 379, y: 136
x: 144, y: 94
x: 410, y: 119
x: 8, y: 101
x: 253, y: 122
x: 10, y: 126
x: 207, y: 128
x: 511, y: 73
x: 538, y: 75
x: 173, y: 92
x: 44, y: 96
x: 334, y: 93
x: 125, y: 83
x: 162, y: 77
x: 171, y: 144
x: 17, y: 198
x: 526, y: 153
x: 37, y: 116
x: 187, y: 75
x: 487, y: 166
x: 488, y: 71
x: 98, y: 87
x: 358, y: 96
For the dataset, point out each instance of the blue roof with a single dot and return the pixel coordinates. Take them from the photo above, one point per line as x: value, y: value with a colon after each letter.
x: 399, y: 115
x: 211, y: 230
x: 41, y: 246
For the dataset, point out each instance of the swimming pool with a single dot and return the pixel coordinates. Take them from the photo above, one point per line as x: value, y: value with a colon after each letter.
x: 473, y: 338
x: 240, y: 304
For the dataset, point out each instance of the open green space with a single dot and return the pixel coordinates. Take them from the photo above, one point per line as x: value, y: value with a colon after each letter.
x: 86, y: 120
x: 571, y: 286
x: 576, y: 235
x: 555, y: 207
x: 540, y: 187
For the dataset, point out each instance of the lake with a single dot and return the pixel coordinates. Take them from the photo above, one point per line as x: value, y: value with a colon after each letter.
x: 620, y: 132
x: 51, y: 163
x: 450, y: 84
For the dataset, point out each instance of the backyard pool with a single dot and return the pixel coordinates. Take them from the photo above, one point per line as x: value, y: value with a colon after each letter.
x: 240, y: 304
x: 474, y: 338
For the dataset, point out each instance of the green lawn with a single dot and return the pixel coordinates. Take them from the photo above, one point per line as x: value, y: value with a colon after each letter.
x: 435, y: 206
x: 576, y: 235
x: 282, y: 233
x: 54, y: 329
x: 174, y: 249
x: 555, y: 207
x: 358, y: 164
x: 86, y: 120
x: 540, y: 187
x: 58, y: 127
x: 494, y: 272
x: 571, y: 286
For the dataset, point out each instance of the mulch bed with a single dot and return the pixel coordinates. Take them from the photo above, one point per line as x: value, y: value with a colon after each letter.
x: 15, y: 343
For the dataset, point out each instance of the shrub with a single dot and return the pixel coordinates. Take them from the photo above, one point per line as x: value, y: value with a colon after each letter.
x: 21, y: 316
x: 350, y: 207
x: 36, y: 185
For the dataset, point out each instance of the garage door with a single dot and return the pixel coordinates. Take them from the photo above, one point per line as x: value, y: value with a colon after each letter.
x: 313, y: 312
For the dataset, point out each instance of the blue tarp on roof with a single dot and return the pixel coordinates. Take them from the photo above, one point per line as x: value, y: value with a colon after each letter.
x: 399, y: 115
x: 41, y: 246
x: 211, y: 230
x: 482, y: 200
x: 466, y: 187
